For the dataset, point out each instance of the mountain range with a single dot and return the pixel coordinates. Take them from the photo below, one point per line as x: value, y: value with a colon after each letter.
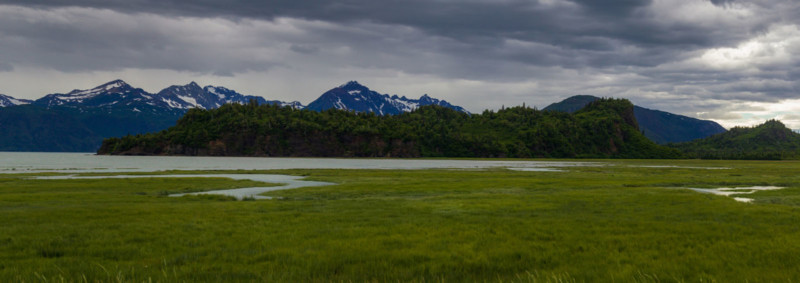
x: 118, y: 95
x: 80, y: 119
x: 659, y: 126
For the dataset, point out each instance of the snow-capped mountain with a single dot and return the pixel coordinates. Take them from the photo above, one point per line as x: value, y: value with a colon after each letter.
x: 356, y: 97
x: 6, y: 101
x: 210, y: 97
x: 187, y: 97
x: 226, y: 95
x: 114, y: 96
x: 119, y: 95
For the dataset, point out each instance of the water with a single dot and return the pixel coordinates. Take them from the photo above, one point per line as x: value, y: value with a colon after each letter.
x: 287, y: 182
x: 31, y: 162
x: 27, y: 162
x: 736, y: 191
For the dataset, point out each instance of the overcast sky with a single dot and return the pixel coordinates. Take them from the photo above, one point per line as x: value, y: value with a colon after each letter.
x: 735, y: 62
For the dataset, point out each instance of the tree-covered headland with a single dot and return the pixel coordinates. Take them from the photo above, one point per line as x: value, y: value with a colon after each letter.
x: 769, y: 141
x: 605, y: 128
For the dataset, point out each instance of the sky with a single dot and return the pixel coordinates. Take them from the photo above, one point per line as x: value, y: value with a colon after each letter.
x: 732, y: 61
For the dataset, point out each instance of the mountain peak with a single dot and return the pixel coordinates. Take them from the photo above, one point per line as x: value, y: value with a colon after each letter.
x: 104, y: 88
x: 353, y: 96
x: 427, y: 98
x: 351, y: 84
x: 772, y: 123
x: 6, y: 100
x: 113, y: 84
x: 572, y: 104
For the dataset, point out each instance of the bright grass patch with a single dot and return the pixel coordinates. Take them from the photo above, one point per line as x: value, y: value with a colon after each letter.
x: 621, y: 222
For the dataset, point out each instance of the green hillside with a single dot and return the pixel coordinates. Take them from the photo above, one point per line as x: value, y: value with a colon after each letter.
x: 604, y: 129
x: 659, y: 126
x: 771, y: 140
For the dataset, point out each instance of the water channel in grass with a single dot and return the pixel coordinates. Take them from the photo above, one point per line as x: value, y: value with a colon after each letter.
x: 731, y: 192
x: 283, y: 182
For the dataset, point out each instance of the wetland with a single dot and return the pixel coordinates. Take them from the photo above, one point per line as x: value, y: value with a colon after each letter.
x: 597, y: 220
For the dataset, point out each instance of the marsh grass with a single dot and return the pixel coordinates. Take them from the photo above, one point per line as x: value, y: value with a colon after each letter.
x: 612, y: 223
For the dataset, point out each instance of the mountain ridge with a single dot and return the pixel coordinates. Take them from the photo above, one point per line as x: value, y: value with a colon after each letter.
x: 116, y: 108
x: 660, y: 126
x: 119, y: 94
x: 771, y: 140
x: 353, y: 96
x: 6, y: 100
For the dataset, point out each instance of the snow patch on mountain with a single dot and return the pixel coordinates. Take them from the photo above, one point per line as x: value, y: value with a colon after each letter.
x: 6, y: 101
x: 111, y: 87
x: 356, y: 97
x: 190, y: 100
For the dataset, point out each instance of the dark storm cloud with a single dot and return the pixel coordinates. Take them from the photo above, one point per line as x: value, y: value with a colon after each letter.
x: 5, y: 67
x: 305, y: 49
x: 620, y: 8
x: 602, y: 28
x: 88, y: 40
x: 662, y: 53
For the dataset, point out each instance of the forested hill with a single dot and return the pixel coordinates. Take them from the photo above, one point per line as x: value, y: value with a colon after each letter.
x: 771, y: 140
x: 604, y: 129
x: 661, y: 127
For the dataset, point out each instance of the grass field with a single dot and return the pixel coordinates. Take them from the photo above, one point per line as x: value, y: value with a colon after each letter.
x: 620, y: 222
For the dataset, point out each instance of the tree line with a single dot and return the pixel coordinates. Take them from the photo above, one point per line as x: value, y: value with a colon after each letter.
x: 604, y: 129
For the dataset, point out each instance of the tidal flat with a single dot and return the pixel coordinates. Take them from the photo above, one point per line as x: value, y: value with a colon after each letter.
x: 626, y: 220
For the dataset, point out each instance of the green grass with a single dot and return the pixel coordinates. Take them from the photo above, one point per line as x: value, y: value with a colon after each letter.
x: 611, y: 223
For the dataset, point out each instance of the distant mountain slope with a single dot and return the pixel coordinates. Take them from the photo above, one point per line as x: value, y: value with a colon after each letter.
x: 80, y: 119
x: 120, y: 95
x: 356, y: 97
x: 116, y: 95
x: 210, y: 97
x: 659, y: 126
x: 62, y: 129
x: 664, y: 127
x: 572, y: 104
x: 771, y: 140
x: 6, y: 101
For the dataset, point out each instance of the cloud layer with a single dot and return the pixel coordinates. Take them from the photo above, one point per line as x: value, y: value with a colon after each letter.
x: 731, y: 61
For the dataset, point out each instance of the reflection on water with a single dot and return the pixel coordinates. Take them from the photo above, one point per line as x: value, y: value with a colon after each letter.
x: 538, y: 169
x: 286, y: 181
x: 22, y: 162
x: 29, y: 162
x: 736, y: 191
x: 680, y: 167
